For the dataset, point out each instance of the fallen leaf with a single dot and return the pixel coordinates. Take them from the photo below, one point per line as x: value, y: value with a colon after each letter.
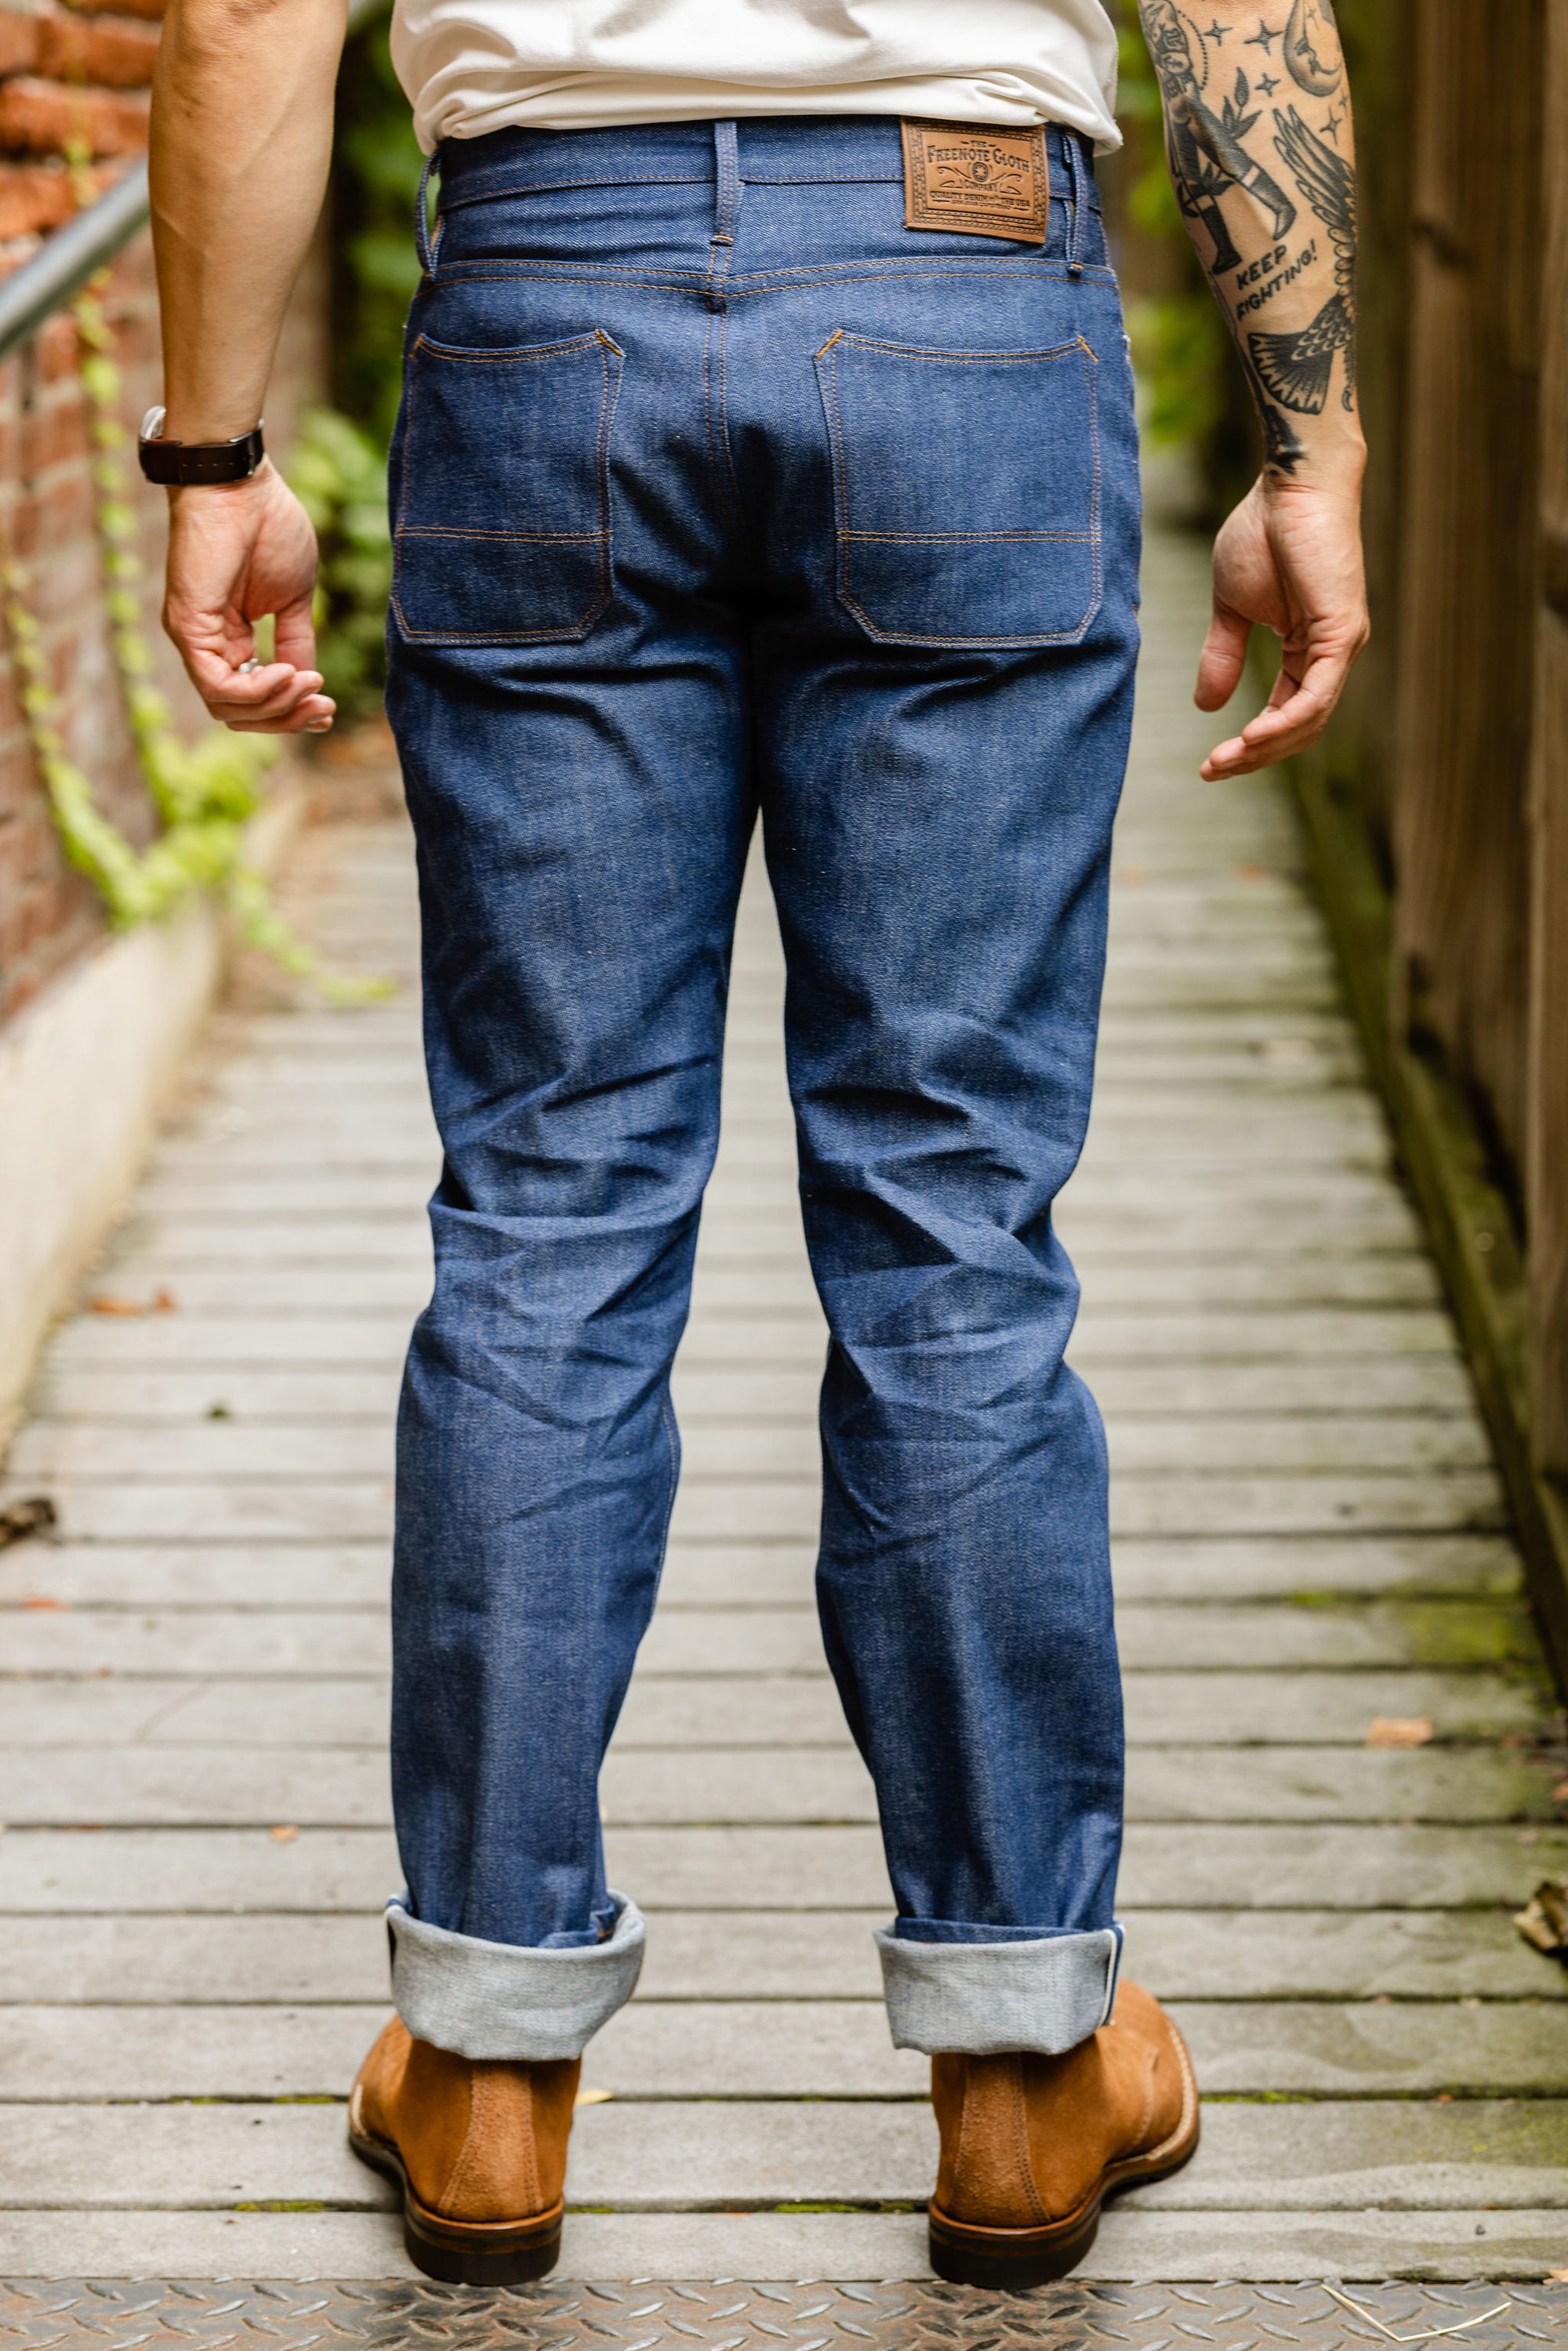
x: 1132, y: 877
x: 42, y: 1600
x: 1250, y: 871
x: 593, y: 2098
x: 284, y: 1834
x: 1560, y: 1793
x: 33, y: 1516
x: 1544, y: 1921
x: 1399, y: 1730
x: 162, y: 1302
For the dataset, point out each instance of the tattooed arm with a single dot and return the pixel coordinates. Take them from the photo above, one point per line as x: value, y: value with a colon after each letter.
x: 1258, y: 136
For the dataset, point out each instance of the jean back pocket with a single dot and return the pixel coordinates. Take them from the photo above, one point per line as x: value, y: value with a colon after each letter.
x: 966, y: 490
x: 502, y: 534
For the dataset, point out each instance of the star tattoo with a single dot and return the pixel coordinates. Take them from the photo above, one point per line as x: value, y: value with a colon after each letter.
x: 1217, y: 32
x: 1332, y: 122
x: 1265, y: 85
x: 1263, y: 40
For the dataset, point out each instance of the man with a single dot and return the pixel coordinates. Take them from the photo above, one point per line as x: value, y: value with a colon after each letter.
x: 766, y: 443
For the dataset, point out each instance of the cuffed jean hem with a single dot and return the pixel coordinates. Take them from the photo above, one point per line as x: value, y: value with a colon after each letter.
x: 508, y: 2000
x: 983, y: 2000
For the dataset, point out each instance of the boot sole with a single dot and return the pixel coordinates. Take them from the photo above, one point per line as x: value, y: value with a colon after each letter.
x: 464, y: 2252
x: 1013, y: 2259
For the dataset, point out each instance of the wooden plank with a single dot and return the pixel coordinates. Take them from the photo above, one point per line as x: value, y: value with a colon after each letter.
x: 172, y: 1960
x: 664, y: 2155
x: 1230, y: 1568
x: 282, y: 1292
x: 1546, y: 1031
x: 225, y: 1711
x: 1166, y: 1867
x: 142, y: 1397
x: 1414, y: 1567
x: 1467, y: 617
x: 789, y: 1509
x: 1304, y: 1568
x: 1334, y: 2049
x: 1133, y: 2246
x: 328, y: 1642
x: 710, y: 1959
x: 331, y: 1510
x: 182, y: 1341
x: 172, y: 1245
x: 223, y: 1575
x: 1146, y: 1284
x: 93, y: 1453
x: 154, y: 1872
x: 1217, y: 1708
x: 744, y: 1786
x: 734, y: 2050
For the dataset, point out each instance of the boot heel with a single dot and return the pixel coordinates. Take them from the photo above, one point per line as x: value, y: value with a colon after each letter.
x: 455, y: 2264
x: 987, y: 2258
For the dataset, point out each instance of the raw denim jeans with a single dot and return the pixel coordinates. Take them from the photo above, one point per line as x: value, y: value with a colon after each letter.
x: 716, y: 489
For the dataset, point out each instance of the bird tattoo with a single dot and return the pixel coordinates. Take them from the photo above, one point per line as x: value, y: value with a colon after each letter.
x: 1297, y: 369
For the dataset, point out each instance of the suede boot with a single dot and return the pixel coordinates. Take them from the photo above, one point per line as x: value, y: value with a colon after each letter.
x: 1032, y: 2145
x: 478, y: 2147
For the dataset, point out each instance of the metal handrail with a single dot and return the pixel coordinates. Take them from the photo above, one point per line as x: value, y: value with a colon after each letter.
x: 32, y: 294
x: 43, y: 285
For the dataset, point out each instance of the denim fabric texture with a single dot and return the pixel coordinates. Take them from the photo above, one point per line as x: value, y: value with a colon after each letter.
x: 717, y: 491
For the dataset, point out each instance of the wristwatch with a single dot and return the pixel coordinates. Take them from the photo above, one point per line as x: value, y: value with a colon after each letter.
x: 195, y: 461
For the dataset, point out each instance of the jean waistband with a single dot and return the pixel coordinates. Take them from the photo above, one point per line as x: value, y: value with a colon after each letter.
x: 773, y: 147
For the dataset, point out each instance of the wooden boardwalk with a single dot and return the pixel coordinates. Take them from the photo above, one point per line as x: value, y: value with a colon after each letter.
x: 1309, y: 1538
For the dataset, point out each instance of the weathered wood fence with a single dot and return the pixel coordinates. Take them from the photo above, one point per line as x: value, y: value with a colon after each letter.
x: 1438, y: 809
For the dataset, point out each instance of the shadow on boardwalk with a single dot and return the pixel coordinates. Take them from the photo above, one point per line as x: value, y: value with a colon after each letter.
x: 1309, y: 1538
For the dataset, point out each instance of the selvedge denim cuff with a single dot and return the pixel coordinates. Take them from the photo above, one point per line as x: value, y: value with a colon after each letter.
x: 507, y: 2000
x: 984, y: 1999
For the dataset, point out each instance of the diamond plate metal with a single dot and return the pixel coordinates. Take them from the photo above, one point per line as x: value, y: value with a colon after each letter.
x: 107, y: 2315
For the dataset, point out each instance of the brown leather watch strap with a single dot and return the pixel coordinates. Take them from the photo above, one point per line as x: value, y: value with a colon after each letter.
x: 174, y: 462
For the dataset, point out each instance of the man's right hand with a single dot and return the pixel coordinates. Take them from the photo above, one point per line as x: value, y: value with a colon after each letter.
x: 238, y: 550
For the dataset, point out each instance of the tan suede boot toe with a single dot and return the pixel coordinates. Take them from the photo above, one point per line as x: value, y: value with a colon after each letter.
x: 478, y: 2147
x: 1032, y: 2145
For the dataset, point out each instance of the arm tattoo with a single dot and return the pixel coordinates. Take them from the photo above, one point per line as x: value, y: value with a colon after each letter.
x: 1205, y: 151
x: 1310, y: 48
x: 1207, y: 130
x: 1296, y: 368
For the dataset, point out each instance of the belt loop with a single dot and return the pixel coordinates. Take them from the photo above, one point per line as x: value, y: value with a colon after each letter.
x: 727, y: 177
x: 421, y: 235
x: 1076, y: 175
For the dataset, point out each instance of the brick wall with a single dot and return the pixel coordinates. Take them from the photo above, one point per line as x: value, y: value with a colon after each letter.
x: 66, y: 74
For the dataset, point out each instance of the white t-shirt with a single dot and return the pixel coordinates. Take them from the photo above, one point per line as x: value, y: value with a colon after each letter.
x: 472, y: 66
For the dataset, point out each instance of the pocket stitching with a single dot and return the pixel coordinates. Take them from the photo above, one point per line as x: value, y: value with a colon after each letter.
x: 576, y: 629
x: 846, y: 535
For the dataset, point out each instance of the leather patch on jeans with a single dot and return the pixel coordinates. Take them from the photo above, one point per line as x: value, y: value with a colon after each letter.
x: 977, y: 179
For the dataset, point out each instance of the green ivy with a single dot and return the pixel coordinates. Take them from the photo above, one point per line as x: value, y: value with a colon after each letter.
x: 376, y: 171
x: 204, y: 792
x: 340, y: 478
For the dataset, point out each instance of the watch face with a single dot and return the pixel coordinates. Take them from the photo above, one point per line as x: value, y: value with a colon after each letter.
x: 152, y: 424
